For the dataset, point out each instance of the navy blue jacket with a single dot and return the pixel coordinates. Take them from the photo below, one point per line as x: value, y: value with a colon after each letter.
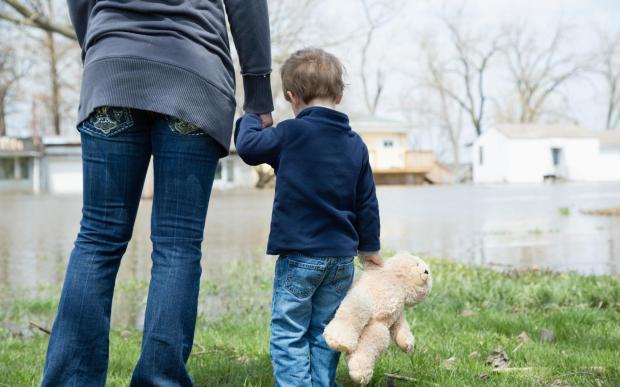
x: 325, y: 203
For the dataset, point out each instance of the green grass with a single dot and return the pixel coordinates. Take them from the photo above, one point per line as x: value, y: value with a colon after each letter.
x: 232, y: 345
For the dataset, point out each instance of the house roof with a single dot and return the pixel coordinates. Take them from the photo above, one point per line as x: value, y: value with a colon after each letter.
x: 610, y: 138
x: 61, y: 141
x: 373, y: 124
x: 529, y: 131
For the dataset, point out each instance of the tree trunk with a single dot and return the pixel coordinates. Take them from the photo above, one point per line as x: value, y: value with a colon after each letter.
x: 2, y: 113
x: 54, y: 84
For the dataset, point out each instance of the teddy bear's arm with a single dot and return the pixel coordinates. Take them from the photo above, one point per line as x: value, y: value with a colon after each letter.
x: 401, y: 334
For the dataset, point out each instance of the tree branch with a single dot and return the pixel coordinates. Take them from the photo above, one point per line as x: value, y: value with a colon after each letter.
x: 35, y: 19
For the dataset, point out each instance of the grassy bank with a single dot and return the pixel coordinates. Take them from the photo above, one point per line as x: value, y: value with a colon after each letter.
x: 573, y: 324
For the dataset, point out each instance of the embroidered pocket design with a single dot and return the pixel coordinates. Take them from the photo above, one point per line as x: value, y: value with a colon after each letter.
x: 183, y: 127
x: 110, y: 120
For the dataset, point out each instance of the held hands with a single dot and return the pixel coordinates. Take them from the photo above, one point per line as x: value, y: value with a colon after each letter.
x: 375, y: 259
x: 266, y: 119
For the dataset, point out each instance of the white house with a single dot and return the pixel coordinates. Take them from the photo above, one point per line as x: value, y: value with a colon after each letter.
x: 533, y: 153
x: 61, y: 165
x: 609, y: 158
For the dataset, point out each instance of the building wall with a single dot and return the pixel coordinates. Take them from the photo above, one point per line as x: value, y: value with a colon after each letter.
x: 512, y: 160
x: 17, y: 174
x: 531, y: 159
x: 386, y: 150
x: 233, y: 172
x: 62, y: 174
x: 490, y: 158
x: 609, y: 165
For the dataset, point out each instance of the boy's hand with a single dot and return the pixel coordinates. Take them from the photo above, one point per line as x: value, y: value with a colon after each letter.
x: 376, y: 259
x: 266, y: 119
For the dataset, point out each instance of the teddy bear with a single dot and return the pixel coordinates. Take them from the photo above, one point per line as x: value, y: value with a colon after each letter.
x: 372, y: 312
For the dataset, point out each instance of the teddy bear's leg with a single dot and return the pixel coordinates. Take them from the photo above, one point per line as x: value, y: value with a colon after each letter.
x: 373, y: 342
x: 401, y: 334
x: 343, y: 332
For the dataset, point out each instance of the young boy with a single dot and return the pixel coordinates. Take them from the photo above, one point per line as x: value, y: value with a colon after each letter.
x: 325, y: 212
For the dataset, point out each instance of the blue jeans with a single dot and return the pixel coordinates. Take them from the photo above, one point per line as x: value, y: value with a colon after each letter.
x: 117, y: 145
x: 306, y: 293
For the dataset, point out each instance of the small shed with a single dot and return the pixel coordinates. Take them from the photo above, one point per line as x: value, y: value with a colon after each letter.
x: 532, y: 153
x: 61, y: 165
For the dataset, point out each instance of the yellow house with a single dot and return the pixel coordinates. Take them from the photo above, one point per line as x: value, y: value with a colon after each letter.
x: 392, y: 156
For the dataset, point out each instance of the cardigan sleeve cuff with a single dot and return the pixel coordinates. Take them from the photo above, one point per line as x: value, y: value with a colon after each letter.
x: 258, y: 97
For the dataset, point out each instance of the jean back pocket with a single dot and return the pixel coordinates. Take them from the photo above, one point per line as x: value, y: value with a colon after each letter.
x: 343, y: 278
x: 303, y: 276
x: 108, y: 121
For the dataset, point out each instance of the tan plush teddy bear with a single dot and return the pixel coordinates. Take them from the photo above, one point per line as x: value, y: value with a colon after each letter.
x: 373, y: 309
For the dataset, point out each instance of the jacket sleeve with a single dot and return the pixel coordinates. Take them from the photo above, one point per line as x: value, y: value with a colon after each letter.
x: 256, y: 145
x: 79, y: 12
x: 367, y: 210
x: 249, y: 24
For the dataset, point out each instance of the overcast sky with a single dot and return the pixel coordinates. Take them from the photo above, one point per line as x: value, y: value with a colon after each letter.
x: 394, y: 48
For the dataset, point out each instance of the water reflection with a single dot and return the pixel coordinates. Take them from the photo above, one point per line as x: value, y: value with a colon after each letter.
x: 500, y: 226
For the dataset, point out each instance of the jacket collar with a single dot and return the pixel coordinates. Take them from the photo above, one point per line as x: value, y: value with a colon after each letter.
x: 332, y: 116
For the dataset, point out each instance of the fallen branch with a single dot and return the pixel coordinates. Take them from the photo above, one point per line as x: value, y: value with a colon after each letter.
x: 400, y: 377
x: 201, y: 349
x: 39, y: 327
x: 517, y: 347
x: 514, y: 369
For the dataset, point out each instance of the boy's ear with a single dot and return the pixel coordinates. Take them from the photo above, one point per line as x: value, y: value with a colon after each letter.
x: 291, y: 97
x: 338, y: 100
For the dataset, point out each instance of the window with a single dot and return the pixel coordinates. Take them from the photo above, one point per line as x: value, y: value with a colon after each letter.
x: 7, y: 169
x: 388, y: 143
x: 556, y: 155
x: 481, y: 156
x: 24, y: 169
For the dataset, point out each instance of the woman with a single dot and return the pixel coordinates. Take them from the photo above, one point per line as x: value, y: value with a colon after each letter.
x: 158, y: 81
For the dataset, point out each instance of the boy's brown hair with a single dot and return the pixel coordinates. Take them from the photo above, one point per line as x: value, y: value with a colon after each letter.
x: 312, y: 73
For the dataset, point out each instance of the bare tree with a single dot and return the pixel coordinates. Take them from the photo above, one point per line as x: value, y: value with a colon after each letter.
x: 29, y: 14
x: 10, y: 73
x: 470, y: 65
x: 49, y: 43
x: 454, y: 80
x: 439, y: 103
x: 608, y: 66
x: 376, y: 15
x: 538, y: 70
x: 41, y: 14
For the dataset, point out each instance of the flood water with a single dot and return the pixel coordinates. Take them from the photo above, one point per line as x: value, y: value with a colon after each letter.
x: 504, y: 226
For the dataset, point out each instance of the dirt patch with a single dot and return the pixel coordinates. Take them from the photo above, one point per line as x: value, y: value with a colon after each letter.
x: 612, y: 211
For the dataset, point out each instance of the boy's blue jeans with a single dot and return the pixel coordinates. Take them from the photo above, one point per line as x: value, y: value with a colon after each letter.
x: 306, y: 293
x: 117, y: 145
